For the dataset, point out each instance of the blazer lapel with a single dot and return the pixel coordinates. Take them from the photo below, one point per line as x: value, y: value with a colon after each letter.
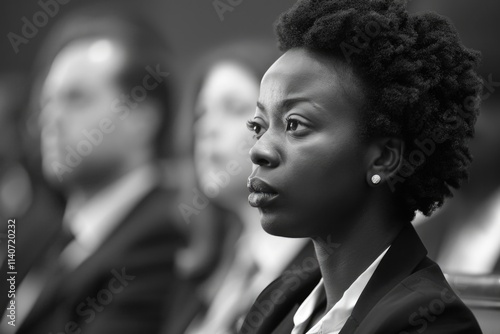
x: 47, y: 300
x: 275, y: 307
x: 402, y: 258
x: 286, y: 326
x: 55, y: 279
x: 64, y: 286
x: 404, y: 255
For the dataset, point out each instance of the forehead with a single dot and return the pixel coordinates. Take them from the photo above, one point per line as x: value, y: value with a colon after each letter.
x: 229, y: 78
x: 85, y: 62
x: 302, y: 73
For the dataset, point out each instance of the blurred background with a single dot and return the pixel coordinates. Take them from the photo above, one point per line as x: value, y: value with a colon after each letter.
x: 191, y: 27
x: 464, y: 236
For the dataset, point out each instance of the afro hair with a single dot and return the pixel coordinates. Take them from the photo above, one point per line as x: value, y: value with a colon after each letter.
x: 421, y: 85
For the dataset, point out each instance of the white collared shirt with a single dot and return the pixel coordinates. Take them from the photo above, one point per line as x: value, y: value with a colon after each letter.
x: 93, y: 221
x: 333, y: 321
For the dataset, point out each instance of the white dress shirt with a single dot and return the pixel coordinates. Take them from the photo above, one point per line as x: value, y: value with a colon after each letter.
x: 333, y: 321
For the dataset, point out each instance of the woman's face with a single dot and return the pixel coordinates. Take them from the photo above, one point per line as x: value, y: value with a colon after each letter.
x: 309, y: 173
x: 226, y: 101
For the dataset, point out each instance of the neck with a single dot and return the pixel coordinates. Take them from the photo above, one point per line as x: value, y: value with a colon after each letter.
x: 343, y: 261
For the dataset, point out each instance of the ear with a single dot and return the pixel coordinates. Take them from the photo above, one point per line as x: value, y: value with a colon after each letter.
x: 385, y: 159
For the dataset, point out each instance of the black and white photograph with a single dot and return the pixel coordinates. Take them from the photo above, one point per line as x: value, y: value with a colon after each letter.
x: 250, y: 167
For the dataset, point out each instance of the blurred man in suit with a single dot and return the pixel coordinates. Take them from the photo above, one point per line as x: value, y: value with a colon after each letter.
x: 105, y: 112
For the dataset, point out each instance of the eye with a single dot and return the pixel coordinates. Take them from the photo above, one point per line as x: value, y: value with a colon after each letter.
x: 293, y: 124
x: 255, y: 127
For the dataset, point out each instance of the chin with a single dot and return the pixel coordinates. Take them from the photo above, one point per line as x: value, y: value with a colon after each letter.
x: 280, y: 226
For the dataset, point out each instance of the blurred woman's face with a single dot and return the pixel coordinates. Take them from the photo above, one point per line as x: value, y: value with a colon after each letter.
x: 225, y: 102
x: 310, y: 161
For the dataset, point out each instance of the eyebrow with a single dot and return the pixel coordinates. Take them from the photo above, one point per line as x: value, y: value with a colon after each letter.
x: 290, y: 103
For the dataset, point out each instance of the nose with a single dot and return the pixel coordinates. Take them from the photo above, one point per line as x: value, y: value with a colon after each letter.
x: 264, y: 154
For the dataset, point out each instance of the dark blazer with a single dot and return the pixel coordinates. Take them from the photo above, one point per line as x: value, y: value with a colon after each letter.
x: 406, y: 294
x: 127, y: 286
x: 36, y: 236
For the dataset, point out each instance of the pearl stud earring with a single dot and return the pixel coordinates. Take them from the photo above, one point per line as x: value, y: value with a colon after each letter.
x: 376, y: 179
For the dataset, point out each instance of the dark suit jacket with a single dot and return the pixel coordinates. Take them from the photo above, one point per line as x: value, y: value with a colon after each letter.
x: 406, y: 294
x: 36, y: 232
x: 127, y: 285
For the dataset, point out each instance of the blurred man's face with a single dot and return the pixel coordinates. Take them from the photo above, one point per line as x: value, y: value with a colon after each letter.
x: 82, y: 137
x: 226, y: 101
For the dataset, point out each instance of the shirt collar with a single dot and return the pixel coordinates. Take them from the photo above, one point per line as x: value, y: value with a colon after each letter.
x: 333, y: 321
x: 91, y: 222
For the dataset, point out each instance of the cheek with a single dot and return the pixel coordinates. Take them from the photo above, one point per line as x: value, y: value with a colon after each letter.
x: 240, y: 149
x: 327, y: 174
x: 200, y: 154
x: 86, y: 120
x: 240, y: 175
x: 74, y: 125
x: 233, y: 135
x: 233, y: 142
x: 107, y: 145
x: 233, y: 149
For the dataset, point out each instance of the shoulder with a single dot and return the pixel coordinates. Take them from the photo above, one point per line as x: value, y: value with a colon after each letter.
x: 148, y: 235
x: 423, y: 301
x: 156, y: 215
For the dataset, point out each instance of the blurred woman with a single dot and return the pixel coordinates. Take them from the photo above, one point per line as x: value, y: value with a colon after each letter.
x: 225, y: 91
